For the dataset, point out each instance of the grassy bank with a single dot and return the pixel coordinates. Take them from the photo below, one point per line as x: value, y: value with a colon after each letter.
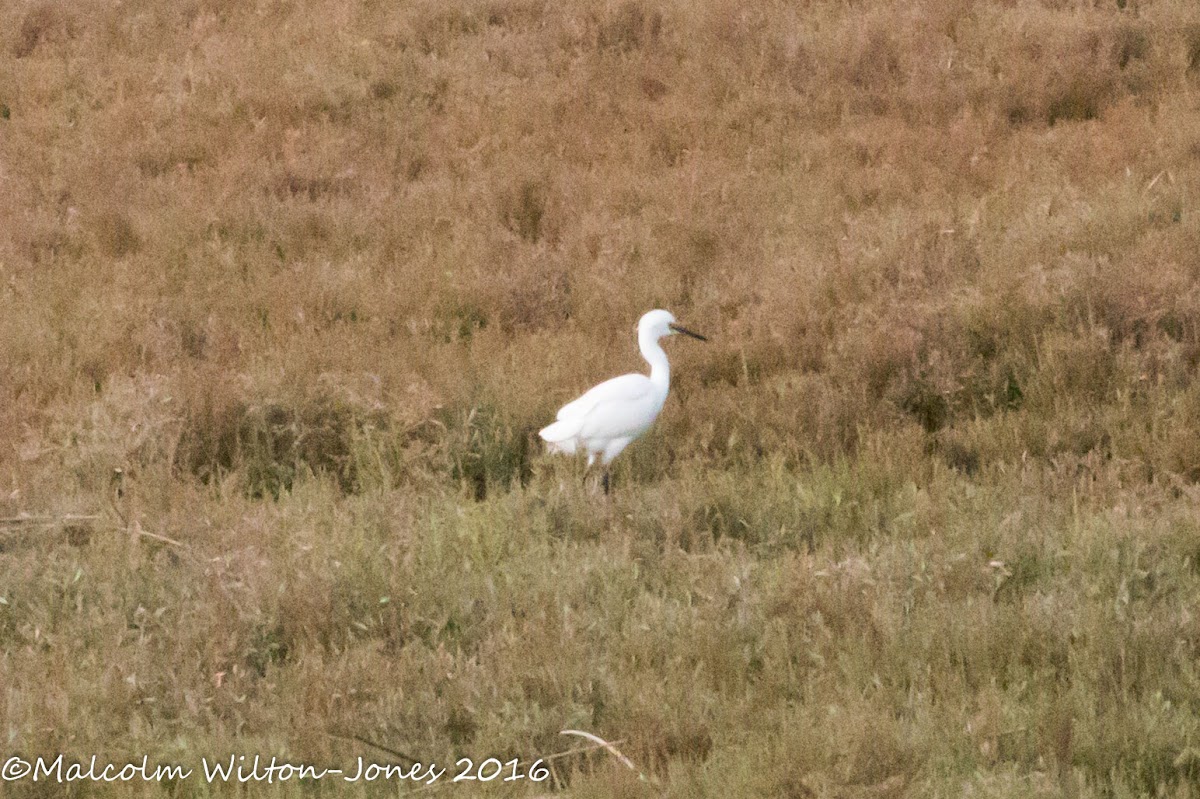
x: 286, y: 289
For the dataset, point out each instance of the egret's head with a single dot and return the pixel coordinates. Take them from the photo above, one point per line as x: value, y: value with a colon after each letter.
x: 661, y: 323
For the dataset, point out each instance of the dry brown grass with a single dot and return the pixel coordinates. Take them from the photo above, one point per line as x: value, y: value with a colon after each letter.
x: 292, y: 284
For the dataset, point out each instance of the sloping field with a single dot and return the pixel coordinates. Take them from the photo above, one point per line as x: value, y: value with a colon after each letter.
x: 287, y: 287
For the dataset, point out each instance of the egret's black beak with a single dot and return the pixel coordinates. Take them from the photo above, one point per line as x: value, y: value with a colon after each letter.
x: 686, y: 332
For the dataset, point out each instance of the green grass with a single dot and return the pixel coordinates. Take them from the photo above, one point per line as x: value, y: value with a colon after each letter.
x: 829, y: 630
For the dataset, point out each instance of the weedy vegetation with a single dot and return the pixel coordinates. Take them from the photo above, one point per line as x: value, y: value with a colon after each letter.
x: 287, y: 287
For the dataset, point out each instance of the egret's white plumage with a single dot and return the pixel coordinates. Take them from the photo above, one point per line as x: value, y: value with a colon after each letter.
x: 610, y: 416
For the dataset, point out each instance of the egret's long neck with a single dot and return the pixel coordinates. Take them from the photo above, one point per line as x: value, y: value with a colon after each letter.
x: 660, y: 369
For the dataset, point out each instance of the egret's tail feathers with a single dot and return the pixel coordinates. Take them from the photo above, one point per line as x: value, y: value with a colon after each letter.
x: 560, y: 436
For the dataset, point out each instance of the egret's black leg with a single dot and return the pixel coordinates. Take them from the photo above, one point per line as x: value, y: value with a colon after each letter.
x: 606, y: 483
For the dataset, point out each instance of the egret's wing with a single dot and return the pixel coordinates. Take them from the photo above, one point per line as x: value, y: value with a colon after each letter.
x: 626, y: 388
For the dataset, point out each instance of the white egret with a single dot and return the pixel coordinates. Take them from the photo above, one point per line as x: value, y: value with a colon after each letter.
x: 610, y: 416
